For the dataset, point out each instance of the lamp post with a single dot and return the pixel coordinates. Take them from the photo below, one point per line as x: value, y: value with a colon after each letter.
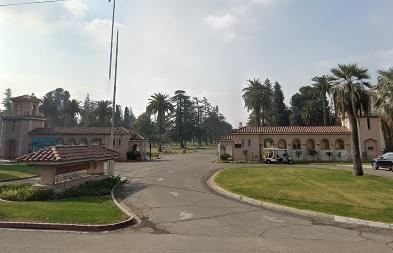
x: 112, y: 31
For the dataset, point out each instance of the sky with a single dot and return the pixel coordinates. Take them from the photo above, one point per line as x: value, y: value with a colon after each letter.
x: 209, y: 48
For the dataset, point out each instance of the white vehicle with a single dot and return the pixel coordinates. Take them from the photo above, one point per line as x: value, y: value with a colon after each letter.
x: 276, y: 155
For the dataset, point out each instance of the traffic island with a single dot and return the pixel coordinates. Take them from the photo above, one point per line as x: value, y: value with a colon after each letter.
x: 82, y: 204
x: 316, y: 193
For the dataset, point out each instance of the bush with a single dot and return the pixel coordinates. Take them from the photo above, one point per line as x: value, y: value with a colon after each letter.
x: 225, y: 157
x: 27, y: 192
x: 96, y: 188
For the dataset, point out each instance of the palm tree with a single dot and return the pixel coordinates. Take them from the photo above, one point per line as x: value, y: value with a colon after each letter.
x: 322, y: 85
x: 252, y: 96
x: 383, y: 94
x: 159, y: 104
x: 103, y: 112
x: 350, y: 94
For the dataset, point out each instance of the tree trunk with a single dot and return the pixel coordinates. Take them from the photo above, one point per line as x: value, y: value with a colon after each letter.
x: 324, y: 112
x: 357, y: 161
x: 257, y: 112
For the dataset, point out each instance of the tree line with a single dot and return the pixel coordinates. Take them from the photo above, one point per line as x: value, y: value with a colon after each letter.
x: 346, y: 91
x: 62, y: 111
x: 170, y: 119
x: 180, y: 119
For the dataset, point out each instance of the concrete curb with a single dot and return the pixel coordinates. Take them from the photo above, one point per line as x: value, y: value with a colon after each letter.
x: 306, y: 213
x: 131, y: 221
x: 18, y: 180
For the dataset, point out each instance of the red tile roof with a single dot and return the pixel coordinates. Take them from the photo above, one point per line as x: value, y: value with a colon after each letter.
x: 79, y: 131
x: 69, y: 154
x: 137, y: 137
x: 226, y: 138
x: 293, y: 130
x: 26, y: 98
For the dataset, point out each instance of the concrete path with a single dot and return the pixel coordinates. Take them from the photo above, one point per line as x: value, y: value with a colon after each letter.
x: 180, y: 214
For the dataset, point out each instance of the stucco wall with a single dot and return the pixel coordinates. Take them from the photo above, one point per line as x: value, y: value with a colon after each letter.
x: 252, y: 146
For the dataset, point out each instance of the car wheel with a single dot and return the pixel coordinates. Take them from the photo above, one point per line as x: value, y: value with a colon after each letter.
x: 268, y: 162
x: 290, y: 162
x: 375, y: 166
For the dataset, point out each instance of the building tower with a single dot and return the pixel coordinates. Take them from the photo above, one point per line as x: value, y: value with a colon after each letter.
x: 23, y: 117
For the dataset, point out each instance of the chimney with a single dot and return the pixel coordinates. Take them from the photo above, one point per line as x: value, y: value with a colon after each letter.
x: 240, y: 125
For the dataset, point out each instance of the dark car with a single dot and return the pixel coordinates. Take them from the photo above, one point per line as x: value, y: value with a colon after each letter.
x: 385, y: 161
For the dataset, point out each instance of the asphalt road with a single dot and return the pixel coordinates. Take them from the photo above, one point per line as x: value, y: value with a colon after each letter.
x: 180, y: 214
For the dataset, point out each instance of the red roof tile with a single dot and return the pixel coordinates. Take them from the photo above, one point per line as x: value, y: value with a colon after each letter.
x: 226, y: 138
x: 137, y: 137
x: 79, y: 131
x: 66, y: 154
x: 293, y: 130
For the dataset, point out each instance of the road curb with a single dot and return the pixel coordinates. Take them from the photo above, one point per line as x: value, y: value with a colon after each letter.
x: 131, y: 221
x: 306, y: 213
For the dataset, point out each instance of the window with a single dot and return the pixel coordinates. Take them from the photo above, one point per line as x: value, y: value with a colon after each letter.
x: 249, y: 142
x: 296, y: 145
x: 238, y: 145
x: 368, y: 124
x: 310, y: 145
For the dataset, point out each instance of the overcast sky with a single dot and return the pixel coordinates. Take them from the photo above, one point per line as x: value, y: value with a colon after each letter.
x: 206, y: 47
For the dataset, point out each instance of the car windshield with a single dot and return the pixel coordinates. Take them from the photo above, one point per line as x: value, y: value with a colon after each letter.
x: 388, y: 156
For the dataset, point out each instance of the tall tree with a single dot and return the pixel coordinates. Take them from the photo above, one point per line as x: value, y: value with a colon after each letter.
x: 350, y: 93
x: 383, y: 94
x: 54, y: 104
x: 119, y: 119
x: 305, y: 109
x: 87, y: 112
x: 103, y: 113
x: 70, y: 111
x: 180, y: 100
x: 159, y: 104
x: 129, y: 118
x: 145, y: 126
x: 267, y: 103
x: 280, y: 110
x: 7, y: 99
x: 322, y: 86
x: 252, y: 96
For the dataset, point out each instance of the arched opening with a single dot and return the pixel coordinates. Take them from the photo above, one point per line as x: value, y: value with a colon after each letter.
x: 296, y: 145
x: 96, y: 142
x: 340, y: 144
x: 310, y: 144
x: 325, y: 145
x: 268, y: 143
x: 282, y: 144
x: 10, y: 150
x: 371, y: 146
x: 83, y: 141
x: 134, y: 154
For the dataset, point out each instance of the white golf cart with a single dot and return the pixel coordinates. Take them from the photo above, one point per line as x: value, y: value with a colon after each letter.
x: 276, y: 155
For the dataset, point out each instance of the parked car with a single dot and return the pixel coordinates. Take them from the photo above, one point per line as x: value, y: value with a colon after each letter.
x: 385, y: 161
x: 275, y: 155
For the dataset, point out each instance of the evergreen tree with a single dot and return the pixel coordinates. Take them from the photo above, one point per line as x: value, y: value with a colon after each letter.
x: 280, y: 110
x: 119, y: 122
x: 7, y: 99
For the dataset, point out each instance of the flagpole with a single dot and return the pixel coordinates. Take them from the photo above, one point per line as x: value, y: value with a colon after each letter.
x: 112, y: 138
x: 111, y: 51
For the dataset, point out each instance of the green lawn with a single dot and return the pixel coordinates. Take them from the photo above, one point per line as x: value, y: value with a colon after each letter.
x: 323, y: 190
x: 13, y: 171
x: 86, y: 210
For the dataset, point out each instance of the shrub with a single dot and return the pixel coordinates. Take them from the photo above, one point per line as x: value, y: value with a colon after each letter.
x: 96, y: 188
x: 329, y: 154
x: 298, y: 153
x: 225, y: 157
x: 27, y: 192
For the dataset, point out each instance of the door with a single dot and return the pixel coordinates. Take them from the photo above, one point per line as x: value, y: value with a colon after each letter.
x: 10, y: 151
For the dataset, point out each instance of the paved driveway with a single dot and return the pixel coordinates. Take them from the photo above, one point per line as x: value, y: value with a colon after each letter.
x: 180, y: 214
